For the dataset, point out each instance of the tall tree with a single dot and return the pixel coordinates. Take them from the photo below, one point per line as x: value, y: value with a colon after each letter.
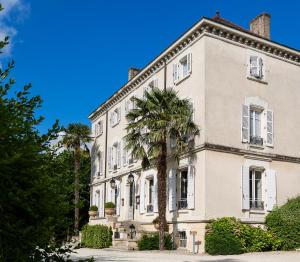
x: 75, y: 139
x: 158, y: 117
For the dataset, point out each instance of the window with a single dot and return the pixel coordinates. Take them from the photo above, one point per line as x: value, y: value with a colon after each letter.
x: 183, y: 68
x: 129, y: 105
x: 114, y: 156
x: 100, y: 163
x: 255, y: 127
x: 182, y: 239
x: 255, y: 189
x: 150, y: 195
x: 256, y: 67
x: 152, y: 84
x: 115, y: 116
x: 182, y: 203
x: 99, y: 128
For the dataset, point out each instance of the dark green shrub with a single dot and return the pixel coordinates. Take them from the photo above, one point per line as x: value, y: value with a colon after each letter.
x: 97, y: 236
x: 93, y: 208
x: 229, y: 236
x: 150, y: 241
x: 285, y: 223
x: 220, y: 238
x: 109, y: 205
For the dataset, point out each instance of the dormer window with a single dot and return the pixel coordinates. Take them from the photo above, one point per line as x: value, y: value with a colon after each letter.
x: 99, y: 128
x: 183, y: 68
x: 115, y: 117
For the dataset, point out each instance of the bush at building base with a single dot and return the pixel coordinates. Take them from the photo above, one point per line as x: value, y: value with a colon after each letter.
x: 285, y: 223
x: 150, y: 241
x: 97, y: 236
x: 228, y: 236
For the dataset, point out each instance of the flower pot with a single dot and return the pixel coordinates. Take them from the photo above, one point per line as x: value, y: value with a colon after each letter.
x: 92, y: 213
x: 109, y: 211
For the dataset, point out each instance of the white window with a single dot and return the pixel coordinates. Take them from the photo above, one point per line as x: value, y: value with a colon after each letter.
x: 150, y: 194
x: 129, y: 105
x: 183, y: 68
x: 151, y: 84
x: 255, y: 189
x: 257, y: 125
x: 99, y: 128
x: 183, y: 188
x: 256, y: 67
x: 114, y: 156
x: 182, y: 239
x: 115, y: 116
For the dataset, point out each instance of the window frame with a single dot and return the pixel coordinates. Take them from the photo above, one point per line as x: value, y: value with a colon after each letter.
x: 182, y: 239
x: 253, y: 190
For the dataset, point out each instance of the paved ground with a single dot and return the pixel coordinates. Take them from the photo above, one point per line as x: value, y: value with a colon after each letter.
x: 174, y: 256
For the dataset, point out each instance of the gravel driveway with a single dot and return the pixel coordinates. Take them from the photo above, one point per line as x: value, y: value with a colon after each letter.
x: 173, y: 256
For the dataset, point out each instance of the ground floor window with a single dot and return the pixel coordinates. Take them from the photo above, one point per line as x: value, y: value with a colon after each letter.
x: 182, y: 203
x: 255, y: 183
x: 182, y: 239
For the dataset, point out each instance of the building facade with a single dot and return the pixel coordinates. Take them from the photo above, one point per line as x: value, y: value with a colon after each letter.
x: 245, y: 91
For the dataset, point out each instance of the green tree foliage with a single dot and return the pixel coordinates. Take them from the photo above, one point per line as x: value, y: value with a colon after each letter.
x: 285, y: 223
x: 159, y: 116
x: 97, y: 236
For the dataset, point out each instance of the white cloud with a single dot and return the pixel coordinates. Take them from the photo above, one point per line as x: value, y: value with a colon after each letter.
x: 14, y: 12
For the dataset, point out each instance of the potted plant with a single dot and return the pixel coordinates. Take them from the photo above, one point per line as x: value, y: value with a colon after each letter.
x: 109, y: 208
x: 156, y: 223
x: 93, y: 211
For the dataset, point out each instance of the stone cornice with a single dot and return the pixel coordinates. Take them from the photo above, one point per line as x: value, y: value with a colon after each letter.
x: 204, y: 27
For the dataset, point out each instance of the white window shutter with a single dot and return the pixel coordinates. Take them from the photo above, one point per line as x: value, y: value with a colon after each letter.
x: 109, y: 158
x: 245, y: 188
x: 155, y: 196
x: 270, y: 124
x: 191, y: 187
x: 101, y: 163
x: 271, y: 189
x: 119, y: 114
x: 142, y: 195
x: 189, y: 62
x: 245, y: 123
x: 260, y: 67
x: 118, y: 207
x: 101, y: 127
x: 175, y: 72
x: 254, y: 66
x: 119, y: 154
x: 127, y: 106
x: 101, y: 202
x: 111, y: 119
x: 124, y: 153
x: 155, y: 82
x: 172, y: 189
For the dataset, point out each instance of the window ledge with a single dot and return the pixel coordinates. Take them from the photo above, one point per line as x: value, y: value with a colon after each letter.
x: 260, y: 212
x: 257, y: 80
x: 256, y: 146
x: 98, y: 135
x: 115, y: 124
x: 183, y: 211
x: 149, y: 214
x: 177, y: 82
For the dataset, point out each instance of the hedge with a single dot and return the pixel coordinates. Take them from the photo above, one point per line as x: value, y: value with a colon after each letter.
x: 285, y: 223
x: 227, y: 236
x: 150, y: 241
x: 97, y: 236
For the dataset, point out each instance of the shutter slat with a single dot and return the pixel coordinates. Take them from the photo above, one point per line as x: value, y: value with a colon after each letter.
x: 270, y: 120
x: 245, y: 188
x: 119, y: 154
x: 245, y: 123
x: 172, y: 189
x: 271, y: 189
x: 189, y: 62
x: 191, y: 187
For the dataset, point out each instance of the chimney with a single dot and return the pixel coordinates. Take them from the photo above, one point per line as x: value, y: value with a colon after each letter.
x: 132, y: 72
x: 260, y: 25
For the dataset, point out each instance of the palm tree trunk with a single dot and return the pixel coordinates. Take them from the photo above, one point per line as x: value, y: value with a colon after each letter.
x: 76, y: 191
x: 161, y: 189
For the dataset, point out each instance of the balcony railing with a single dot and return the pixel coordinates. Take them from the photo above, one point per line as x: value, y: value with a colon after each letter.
x: 256, y: 140
x: 150, y: 208
x: 182, y: 203
x: 256, y: 204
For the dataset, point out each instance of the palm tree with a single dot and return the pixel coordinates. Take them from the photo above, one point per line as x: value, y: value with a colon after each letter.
x: 75, y: 139
x: 161, y: 115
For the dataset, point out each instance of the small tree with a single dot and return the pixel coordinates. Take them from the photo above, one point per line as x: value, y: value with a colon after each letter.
x: 159, y: 116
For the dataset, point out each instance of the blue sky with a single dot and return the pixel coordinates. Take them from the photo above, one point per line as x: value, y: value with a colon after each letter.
x: 77, y: 53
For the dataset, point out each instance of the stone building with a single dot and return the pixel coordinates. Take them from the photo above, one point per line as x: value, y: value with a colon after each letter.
x: 245, y: 90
